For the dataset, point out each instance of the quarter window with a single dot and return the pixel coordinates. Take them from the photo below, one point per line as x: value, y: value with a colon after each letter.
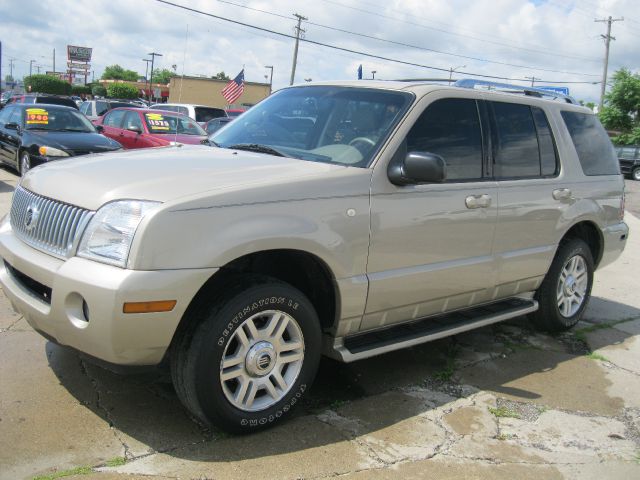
x: 595, y: 151
x: 546, y: 143
x: 451, y: 128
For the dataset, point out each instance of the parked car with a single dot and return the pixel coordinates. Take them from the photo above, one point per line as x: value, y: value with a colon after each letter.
x: 629, y: 158
x: 216, y: 124
x: 43, y: 98
x: 4, y: 97
x: 30, y: 135
x: 235, y: 112
x: 141, y: 128
x: 200, y: 113
x: 348, y: 219
x: 94, y: 109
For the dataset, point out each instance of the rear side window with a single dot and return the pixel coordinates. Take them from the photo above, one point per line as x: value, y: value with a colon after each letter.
x: 451, y: 128
x: 101, y: 108
x: 516, y: 153
x: 627, y: 153
x: 204, y: 114
x: 595, y: 151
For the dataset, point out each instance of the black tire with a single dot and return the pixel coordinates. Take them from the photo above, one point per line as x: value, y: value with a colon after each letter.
x: 196, y: 356
x: 635, y: 174
x: 549, y: 316
x: 24, y: 163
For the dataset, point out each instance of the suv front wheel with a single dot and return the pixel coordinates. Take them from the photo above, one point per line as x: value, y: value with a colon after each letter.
x: 250, y: 358
x: 565, y: 291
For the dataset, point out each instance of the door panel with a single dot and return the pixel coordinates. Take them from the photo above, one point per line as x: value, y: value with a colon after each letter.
x: 431, y: 245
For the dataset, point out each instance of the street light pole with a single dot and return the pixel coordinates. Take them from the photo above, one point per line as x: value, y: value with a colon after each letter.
x: 146, y: 75
x: 270, y: 67
x: 453, y: 69
x: 153, y: 56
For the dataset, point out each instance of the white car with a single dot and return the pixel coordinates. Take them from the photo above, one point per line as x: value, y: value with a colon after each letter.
x: 200, y: 113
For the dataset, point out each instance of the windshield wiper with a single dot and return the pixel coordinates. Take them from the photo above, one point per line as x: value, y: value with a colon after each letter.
x: 256, y: 147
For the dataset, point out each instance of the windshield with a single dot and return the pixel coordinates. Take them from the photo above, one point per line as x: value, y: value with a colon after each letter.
x: 339, y: 125
x: 56, y: 119
x: 163, y: 122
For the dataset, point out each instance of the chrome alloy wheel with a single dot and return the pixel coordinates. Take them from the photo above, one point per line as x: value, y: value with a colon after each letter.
x: 572, y: 286
x: 262, y: 360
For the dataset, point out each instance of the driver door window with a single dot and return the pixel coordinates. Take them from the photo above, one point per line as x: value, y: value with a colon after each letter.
x: 451, y: 128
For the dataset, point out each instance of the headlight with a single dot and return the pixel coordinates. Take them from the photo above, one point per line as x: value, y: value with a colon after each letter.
x: 110, y: 232
x: 52, y: 152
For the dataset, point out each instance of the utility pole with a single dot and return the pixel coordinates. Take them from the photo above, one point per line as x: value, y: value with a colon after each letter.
x: 533, y: 79
x: 607, y: 40
x: 270, y: 67
x: 31, y: 62
x: 295, y: 50
x: 153, y: 57
x: 54, y: 61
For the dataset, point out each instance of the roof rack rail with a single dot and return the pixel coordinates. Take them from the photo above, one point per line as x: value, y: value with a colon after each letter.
x: 517, y: 89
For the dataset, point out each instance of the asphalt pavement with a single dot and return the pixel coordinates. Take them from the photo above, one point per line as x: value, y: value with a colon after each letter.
x: 502, y: 402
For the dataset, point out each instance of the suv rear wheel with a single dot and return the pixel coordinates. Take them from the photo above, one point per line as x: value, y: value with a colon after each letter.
x: 566, y: 289
x: 251, y: 356
x: 636, y: 174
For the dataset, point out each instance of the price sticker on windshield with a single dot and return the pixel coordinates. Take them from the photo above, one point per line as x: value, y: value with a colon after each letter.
x: 37, y: 116
x: 157, y: 122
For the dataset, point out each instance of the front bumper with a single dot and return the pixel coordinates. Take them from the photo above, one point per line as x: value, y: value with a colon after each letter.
x: 79, y: 286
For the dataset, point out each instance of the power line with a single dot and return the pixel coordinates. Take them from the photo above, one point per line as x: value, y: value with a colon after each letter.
x: 467, y: 57
x: 357, y: 52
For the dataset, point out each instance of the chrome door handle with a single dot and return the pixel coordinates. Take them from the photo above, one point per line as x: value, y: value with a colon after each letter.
x: 562, y: 194
x: 478, y: 201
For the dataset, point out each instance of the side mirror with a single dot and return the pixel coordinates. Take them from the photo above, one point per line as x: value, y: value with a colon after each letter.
x: 99, y: 128
x: 133, y: 128
x: 416, y: 168
x: 12, y: 126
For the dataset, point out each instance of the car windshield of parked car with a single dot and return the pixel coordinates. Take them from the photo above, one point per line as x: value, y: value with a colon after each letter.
x: 165, y: 123
x: 48, y: 117
x: 339, y: 125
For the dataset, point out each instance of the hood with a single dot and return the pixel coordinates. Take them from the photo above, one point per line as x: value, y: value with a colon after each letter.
x: 73, y: 142
x: 166, y: 174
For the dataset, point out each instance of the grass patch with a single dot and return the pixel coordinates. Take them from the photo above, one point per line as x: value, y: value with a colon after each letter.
x: 504, y: 412
x: 597, y: 356
x: 581, y: 333
x: 85, y: 470
x: 116, y: 462
x: 504, y: 436
x: 336, y: 404
x: 449, y: 369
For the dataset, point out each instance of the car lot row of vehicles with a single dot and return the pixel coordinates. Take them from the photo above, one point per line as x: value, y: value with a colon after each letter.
x: 36, y: 128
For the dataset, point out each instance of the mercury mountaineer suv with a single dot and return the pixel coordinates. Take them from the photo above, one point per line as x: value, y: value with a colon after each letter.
x: 346, y: 219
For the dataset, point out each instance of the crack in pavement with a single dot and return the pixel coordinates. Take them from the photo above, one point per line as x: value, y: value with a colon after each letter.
x: 105, y: 410
x: 10, y: 327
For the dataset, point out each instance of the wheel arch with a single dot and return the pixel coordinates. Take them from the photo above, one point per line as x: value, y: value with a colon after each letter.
x: 591, y: 234
x: 303, y: 270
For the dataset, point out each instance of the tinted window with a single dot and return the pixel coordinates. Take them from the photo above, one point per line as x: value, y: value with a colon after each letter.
x: 205, y: 114
x: 594, y: 149
x: 101, y: 108
x: 114, y: 118
x: 67, y: 102
x: 15, y: 117
x: 546, y: 143
x: 516, y: 152
x: 168, y: 123
x: 132, y: 120
x: 450, y: 128
x: 627, y: 153
x: 84, y: 108
x: 4, y: 115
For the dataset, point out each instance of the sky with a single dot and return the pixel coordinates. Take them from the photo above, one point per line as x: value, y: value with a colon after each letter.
x: 553, y: 41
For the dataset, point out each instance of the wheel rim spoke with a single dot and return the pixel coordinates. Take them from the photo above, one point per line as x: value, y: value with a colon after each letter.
x: 572, y: 288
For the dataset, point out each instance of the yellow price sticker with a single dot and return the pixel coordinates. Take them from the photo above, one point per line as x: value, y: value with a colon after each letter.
x: 37, y: 116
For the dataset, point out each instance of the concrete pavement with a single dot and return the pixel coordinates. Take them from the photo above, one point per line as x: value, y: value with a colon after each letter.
x: 502, y: 402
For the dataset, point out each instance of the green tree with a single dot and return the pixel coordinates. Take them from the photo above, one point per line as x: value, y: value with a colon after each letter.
x: 116, y: 72
x: 98, y: 91
x: 46, y: 84
x: 121, y: 90
x: 621, y: 111
x: 80, y: 89
x: 162, y: 76
x: 221, y: 76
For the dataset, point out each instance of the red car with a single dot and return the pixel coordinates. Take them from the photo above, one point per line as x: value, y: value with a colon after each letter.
x: 142, y: 128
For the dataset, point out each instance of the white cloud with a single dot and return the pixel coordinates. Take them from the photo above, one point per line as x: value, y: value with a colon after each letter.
x: 553, y: 36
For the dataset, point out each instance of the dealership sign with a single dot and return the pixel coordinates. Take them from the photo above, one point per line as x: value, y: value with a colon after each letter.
x: 78, y: 66
x: 79, y: 54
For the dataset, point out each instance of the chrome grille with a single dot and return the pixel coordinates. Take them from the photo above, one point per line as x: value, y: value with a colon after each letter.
x: 46, y: 224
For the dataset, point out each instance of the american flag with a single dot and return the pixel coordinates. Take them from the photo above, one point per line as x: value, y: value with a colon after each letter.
x: 234, y: 88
